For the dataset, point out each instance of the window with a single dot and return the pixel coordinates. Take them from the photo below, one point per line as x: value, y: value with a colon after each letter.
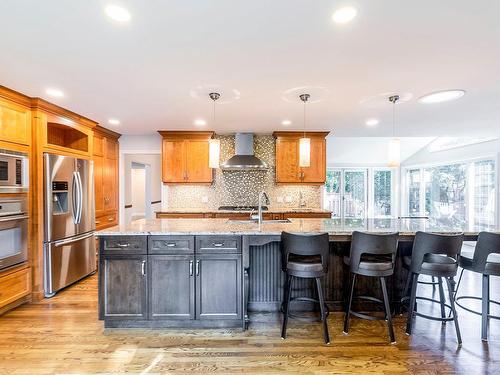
x: 360, y: 192
x: 382, y: 191
x: 457, y: 193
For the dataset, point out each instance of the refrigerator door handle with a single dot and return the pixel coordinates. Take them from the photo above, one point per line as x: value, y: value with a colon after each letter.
x: 80, y: 197
x: 74, y: 198
x: 72, y: 240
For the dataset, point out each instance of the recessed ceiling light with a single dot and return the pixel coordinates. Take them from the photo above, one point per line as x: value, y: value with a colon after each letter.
x: 56, y: 93
x: 371, y: 122
x: 344, y: 15
x: 200, y: 122
x: 286, y: 122
x: 117, y: 13
x: 441, y: 96
x: 113, y: 121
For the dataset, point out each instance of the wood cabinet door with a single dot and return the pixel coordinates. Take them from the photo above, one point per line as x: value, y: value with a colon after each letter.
x: 98, y: 145
x: 197, y: 169
x: 110, y: 184
x: 15, y: 123
x: 173, y: 161
x: 316, y: 172
x: 287, y: 160
x: 123, y: 287
x: 171, y: 281
x: 218, y: 286
x: 98, y: 185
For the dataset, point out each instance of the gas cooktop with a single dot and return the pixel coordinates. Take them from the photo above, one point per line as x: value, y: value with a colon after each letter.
x: 241, y: 208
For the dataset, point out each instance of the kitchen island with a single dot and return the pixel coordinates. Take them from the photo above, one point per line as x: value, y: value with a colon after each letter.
x: 213, y: 272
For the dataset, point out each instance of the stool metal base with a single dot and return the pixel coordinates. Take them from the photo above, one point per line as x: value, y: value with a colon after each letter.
x: 304, y: 318
x: 490, y: 316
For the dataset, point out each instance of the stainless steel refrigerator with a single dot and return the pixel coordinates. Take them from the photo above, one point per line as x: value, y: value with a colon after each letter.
x: 69, y: 244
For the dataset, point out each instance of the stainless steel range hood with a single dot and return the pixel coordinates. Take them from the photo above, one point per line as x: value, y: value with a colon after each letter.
x: 244, y: 159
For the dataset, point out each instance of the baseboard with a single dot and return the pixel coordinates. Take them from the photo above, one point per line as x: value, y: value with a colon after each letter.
x: 13, y: 305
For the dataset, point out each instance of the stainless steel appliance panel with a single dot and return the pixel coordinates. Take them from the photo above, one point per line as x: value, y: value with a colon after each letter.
x: 12, y: 165
x: 67, y: 261
x: 61, y: 194
x: 13, y: 239
x: 86, y: 215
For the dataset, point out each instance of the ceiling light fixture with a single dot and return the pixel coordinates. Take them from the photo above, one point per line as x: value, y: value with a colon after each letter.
x: 441, y: 96
x: 56, y: 93
x: 372, y: 122
x: 214, y: 144
x: 344, y: 15
x: 200, y: 122
x: 286, y: 123
x: 113, y: 121
x: 117, y: 13
x: 394, y: 147
x: 304, y: 142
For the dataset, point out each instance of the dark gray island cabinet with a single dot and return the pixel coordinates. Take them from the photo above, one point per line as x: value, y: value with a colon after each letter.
x: 170, y: 281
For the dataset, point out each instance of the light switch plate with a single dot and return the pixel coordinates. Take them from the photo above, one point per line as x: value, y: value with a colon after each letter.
x: 288, y: 199
x: 279, y: 199
x: 204, y: 199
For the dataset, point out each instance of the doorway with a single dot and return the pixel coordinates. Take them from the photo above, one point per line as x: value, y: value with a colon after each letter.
x: 346, y: 193
x: 140, y: 181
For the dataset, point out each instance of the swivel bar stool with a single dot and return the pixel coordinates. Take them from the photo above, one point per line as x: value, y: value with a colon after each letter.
x: 486, y: 262
x: 434, y: 255
x: 305, y: 256
x: 372, y: 255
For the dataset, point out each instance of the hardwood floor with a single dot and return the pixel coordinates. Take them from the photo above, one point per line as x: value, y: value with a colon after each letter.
x: 63, y: 336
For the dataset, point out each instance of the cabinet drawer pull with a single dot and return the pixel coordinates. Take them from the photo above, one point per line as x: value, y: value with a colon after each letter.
x: 123, y: 244
x: 218, y: 244
x: 170, y: 244
x: 111, y: 218
x: 190, y: 268
x: 197, y: 268
x: 143, y: 268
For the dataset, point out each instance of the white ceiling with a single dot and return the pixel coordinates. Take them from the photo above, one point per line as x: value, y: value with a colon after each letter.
x: 345, y: 151
x: 143, y: 72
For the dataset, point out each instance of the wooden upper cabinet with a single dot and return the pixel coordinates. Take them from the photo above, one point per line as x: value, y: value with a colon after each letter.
x: 15, y: 119
x: 105, y: 156
x: 185, y: 157
x: 287, y: 158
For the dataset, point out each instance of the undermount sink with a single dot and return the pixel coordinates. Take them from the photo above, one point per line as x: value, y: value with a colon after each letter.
x: 248, y: 221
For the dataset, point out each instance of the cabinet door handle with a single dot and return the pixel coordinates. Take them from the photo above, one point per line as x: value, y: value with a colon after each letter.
x: 111, y: 218
x: 190, y: 268
x: 143, y: 268
x: 197, y: 268
x: 219, y: 244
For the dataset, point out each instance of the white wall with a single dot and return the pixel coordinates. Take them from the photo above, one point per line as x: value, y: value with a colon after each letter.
x: 145, y: 149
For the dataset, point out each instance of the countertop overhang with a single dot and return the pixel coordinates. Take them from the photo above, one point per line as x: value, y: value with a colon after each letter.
x: 334, y: 227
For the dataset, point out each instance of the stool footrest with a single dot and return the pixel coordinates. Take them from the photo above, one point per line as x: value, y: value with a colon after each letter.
x: 430, y: 316
x: 490, y: 316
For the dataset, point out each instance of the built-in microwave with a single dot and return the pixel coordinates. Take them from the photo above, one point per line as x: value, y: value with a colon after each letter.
x: 12, y: 168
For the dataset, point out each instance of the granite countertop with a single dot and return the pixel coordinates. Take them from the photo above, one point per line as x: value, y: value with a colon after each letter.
x: 335, y: 227
x: 269, y: 210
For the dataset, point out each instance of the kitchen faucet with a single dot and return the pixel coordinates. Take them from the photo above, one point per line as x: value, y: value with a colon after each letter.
x: 259, y: 213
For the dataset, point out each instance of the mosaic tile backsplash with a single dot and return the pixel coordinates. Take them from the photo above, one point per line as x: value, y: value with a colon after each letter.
x: 232, y: 188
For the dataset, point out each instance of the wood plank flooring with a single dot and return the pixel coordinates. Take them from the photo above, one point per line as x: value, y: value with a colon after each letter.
x: 63, y: 336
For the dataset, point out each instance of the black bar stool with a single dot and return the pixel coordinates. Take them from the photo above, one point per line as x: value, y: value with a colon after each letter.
x: 305, y: 256
x: 481, y: 262
x: 371, y: 255
x: 434, y: 255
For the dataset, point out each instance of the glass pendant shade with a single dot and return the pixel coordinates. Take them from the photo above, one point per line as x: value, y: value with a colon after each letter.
x: 305, y: 152
x: 214, y: 153
x: 394, y: 152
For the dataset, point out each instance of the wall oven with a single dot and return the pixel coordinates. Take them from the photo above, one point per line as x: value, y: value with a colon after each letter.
x: 13, y: 231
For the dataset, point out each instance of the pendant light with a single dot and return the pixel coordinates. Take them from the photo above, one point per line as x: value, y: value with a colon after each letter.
x: 304, y: 142
x: 394, y: 147
x: 214, y: 144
